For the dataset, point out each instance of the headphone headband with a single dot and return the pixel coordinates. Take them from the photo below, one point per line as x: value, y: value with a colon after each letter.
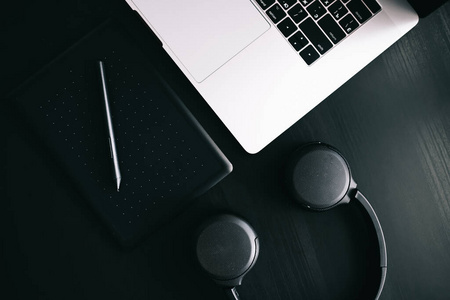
x: 381, y: 241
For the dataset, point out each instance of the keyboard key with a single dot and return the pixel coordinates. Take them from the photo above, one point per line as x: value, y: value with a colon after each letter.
x: 373, y: 6
x: 331, y: 29
x: 298, y: 41
x: 359, y: 10
x: 348, y: 23
x: 297, y: 13
x: 265, y: 3
x: 309, y: 55
x: 315, y: 35
x: 306, y: 2
x: 326, y: 2
x: 316, y: 10
x: 286, y: 4
x: 338, y: 10
x: 287, y: 27
x: 276, y: 13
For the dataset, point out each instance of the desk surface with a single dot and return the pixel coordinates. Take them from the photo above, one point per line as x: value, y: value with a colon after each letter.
x: 391, y: 121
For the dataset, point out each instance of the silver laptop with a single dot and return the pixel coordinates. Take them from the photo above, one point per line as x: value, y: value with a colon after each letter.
x: 263, y: 64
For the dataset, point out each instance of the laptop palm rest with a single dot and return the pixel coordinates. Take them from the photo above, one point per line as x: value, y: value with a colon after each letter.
x: 204, y: 34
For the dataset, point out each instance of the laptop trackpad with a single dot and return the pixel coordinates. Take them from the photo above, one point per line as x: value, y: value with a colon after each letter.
x: 204, y: 34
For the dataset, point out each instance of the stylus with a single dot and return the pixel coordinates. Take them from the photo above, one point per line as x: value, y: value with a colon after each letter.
x: 112, y: 140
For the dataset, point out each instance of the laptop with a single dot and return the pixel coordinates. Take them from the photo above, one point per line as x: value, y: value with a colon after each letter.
x: 261, y: 65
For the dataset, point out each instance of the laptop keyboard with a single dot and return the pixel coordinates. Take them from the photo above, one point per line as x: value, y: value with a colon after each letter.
x: 313, y: 27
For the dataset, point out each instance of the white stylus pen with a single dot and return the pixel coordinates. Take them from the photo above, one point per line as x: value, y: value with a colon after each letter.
x: 112, y: 140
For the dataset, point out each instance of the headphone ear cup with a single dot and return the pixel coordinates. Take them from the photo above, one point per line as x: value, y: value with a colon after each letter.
x: 318, y: 176
x: 227, y: 248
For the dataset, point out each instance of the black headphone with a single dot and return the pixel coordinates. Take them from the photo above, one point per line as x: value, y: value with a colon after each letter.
x: 319, y: 178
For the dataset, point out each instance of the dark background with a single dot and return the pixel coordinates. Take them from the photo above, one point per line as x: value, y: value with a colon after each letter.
x: 391, y: 121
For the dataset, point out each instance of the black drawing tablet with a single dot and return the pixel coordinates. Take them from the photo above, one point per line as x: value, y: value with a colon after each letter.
x: 166, y: 158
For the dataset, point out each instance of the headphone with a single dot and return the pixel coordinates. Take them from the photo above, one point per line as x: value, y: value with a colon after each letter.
x: 319, y: 178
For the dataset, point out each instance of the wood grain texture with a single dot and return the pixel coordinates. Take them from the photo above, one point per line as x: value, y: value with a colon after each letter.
x: 391, y: 121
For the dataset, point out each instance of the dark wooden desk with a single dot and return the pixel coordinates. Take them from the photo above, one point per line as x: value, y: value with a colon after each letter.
x: 391, y: 121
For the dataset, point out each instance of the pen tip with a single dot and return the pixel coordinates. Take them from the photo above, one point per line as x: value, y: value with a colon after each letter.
x: 118, y: 183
